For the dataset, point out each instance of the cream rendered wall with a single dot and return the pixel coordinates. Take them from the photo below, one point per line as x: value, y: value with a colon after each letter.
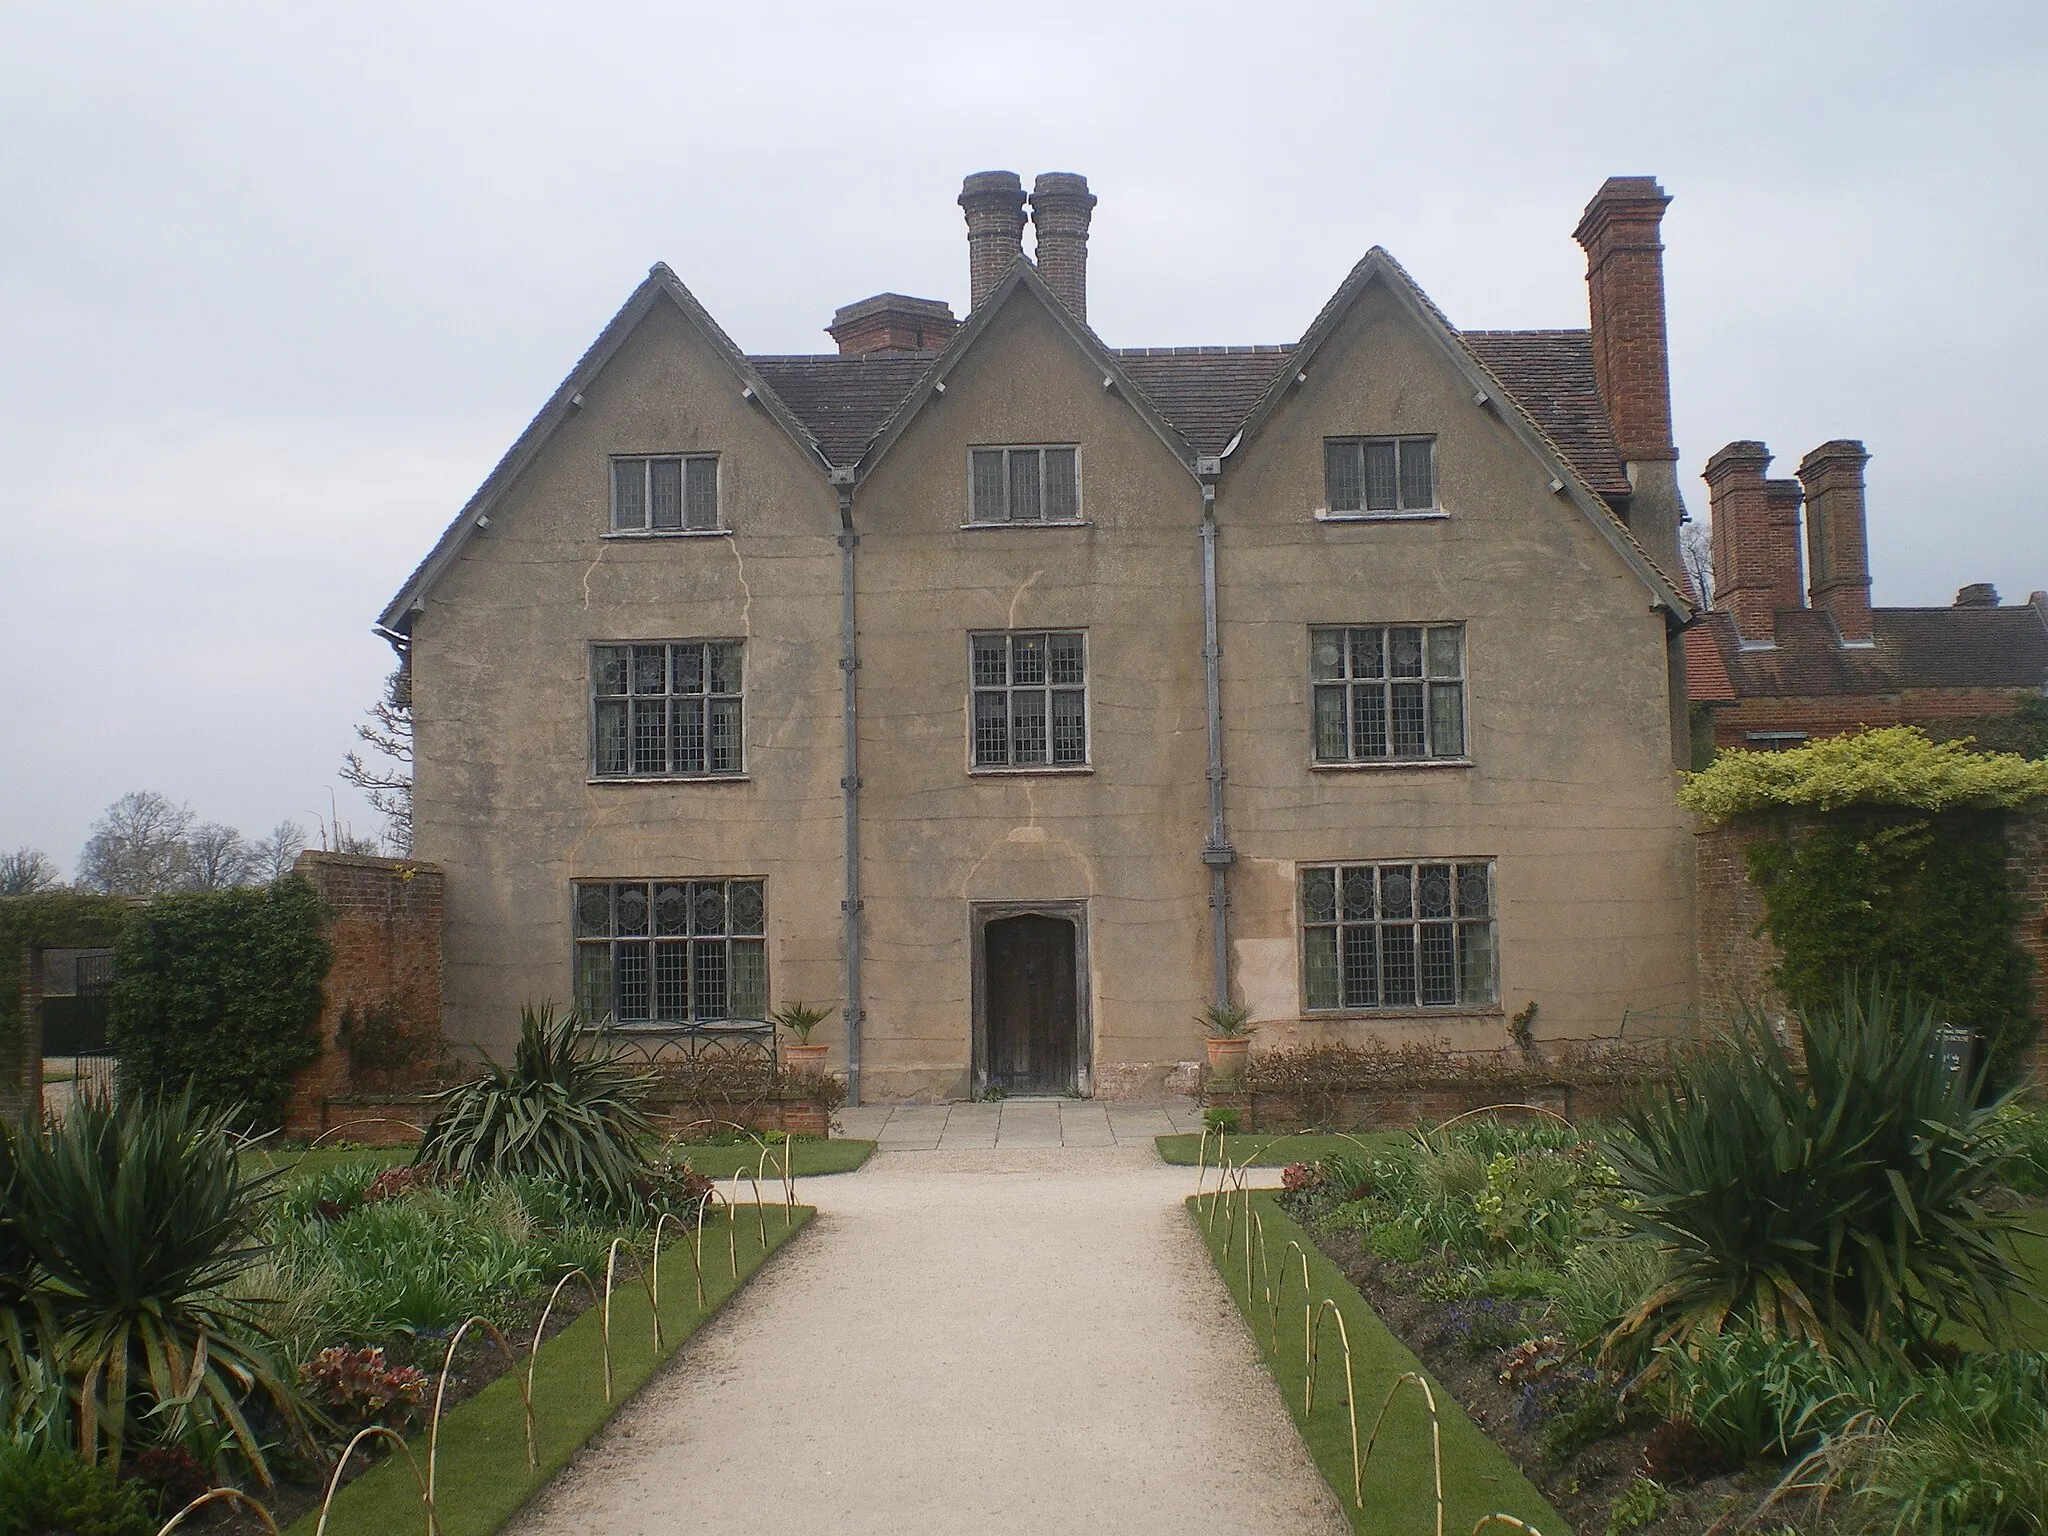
x: 1571, y: 788
x: 500, y: 687
x: 1126, y: 836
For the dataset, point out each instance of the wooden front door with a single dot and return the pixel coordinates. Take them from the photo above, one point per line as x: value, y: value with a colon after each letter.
x: 1033, y: 1023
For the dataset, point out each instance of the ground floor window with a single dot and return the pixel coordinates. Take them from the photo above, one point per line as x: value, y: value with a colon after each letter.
x: 1398, y: 935
x: 671, y: 951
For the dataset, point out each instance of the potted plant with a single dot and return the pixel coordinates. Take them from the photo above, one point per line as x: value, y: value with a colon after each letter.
x: 800, y: 1019
x: 1230, y: 1030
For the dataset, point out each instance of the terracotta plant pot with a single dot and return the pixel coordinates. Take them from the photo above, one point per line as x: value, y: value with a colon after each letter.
x: 809, y: 1059
x: 1226, y: 1055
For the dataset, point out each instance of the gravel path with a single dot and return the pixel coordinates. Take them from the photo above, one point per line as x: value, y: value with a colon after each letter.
x: 997, y: 1340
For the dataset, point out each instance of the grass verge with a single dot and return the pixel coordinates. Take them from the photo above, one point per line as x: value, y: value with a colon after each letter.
x: 808, y: 1159
x: 484, y: 1478
x: 1275, y: 1151
x: 1398, y: 1487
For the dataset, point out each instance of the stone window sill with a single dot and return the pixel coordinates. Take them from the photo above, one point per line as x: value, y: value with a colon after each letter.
x: 648, y: 535
x: 669, y: 778
x: 1043, y: 522
x: 1392, y: 765
x: 1034, y: 771
x: 1433, y: 515
x: 1434, y: 1012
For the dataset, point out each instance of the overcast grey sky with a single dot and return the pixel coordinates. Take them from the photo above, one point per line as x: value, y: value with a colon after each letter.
x: 281, y: 281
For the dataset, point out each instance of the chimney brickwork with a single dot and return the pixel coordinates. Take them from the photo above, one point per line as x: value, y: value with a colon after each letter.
x: 1756, y: 542
x: 1061, y: 208
x: 993, y: 202
x: 892, y: 322
x: 1621, y: 231
x: 1838, y: 547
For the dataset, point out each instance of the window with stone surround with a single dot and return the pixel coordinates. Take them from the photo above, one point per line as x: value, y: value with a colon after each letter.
x: 1024, y: 485
x: 672, y: 493
x: 1388, y: 693
x: 1398, y: 935
x: 654, y: 952
x: 667, y: 709
x: 1383, y: 476
x: 1029, y: 699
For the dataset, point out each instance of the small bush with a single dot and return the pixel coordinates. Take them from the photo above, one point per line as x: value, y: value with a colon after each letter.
x: 1757, y: 1396
x: 1483, y: 1325
x: 1642, y: 1503
x: 1223, y: 1119
x: 359, y: 1386
x: 49, y: 1490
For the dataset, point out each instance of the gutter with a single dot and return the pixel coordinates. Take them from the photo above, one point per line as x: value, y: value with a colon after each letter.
x: 1216, y: 852
x: 849, y: 782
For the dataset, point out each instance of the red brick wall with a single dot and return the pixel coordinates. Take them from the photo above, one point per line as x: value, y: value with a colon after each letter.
x: 1736, y: 956
x: 1835, y: 714
x: 383, y: 918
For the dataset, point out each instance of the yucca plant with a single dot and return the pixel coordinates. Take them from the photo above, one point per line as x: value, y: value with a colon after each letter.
x: 27, y: 1331
x: 1834, y: 1200
x: 136, y: 1218
x: 558, y: 1112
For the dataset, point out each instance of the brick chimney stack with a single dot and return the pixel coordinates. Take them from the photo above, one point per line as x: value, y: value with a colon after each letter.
x: 1061, y: 207
x: 1838, y: 548
x: 892, y: 322
x: 1621, y: 231
x: 994, y: 204
x: 1756, y: 539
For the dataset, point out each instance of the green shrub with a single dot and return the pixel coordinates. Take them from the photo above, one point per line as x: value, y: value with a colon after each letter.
x: 137, y: 1218
x: 220, y: 990
x: 1223, y: 1120
x: 2024, y: 1132
x: 1642, y: 1503
x: 1895, y: 766
x: 1836, y: 1204
x: 1954, y: 1480
x: 43, y: 1491
x: 1756, y: 1396
x: 556, y: 1113
x: 1604, y: 1282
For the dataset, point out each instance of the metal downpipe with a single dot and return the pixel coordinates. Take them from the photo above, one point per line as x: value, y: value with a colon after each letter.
x: 1216, y: 852
x: 849, y: 782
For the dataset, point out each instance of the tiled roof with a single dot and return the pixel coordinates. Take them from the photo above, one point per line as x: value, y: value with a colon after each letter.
x: 1205, y: 393
x: 2005, y: 647
x: 844, y: 400
x: 1550, y: 374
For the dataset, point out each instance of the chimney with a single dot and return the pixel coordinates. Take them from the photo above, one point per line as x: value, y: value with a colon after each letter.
x: 994, y: 204
x: 1621, y: 232
x: 1978, y: 594
x: 892, y: 322
x: 1838, y: 548
x: 1061, y: 206
x: 1756, y: 540
x: 1625, y: 283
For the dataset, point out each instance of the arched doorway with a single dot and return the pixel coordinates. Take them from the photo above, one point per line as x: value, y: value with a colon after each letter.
x: 1031, y: 967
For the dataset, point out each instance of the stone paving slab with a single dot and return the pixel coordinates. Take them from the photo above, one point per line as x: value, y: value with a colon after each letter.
x: 1022, y: 1123
x: 1003, y: 1341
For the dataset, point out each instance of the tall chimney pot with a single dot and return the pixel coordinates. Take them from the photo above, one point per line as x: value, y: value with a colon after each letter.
x: 1837, y: 543
x: 994, y: 204
x: 1756, y: 539
x: 1061, y: 207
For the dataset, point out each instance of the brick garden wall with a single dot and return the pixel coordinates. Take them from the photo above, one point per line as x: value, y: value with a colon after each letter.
x: 383, y: 918
x: 1736, y: 956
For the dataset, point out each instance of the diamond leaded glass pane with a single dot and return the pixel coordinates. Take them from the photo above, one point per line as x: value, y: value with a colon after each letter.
x: 630, y: 908
x: 707, y: 907
x: 1319, y: 895
x: 1319, y: 967
x: 1397, y: 936
x: 593, y: 911
x: 1433, y: 890
x: 671, y: 910
x: 749, y: 909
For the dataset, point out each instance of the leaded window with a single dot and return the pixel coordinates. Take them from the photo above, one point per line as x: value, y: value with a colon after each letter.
x: 1024, y: 485
x: 1030, y: 699
x: 671, y: 951
x: 1398, y: 935
x: 672, y: 494
x: 1380, y: 474
x: 667, y: 709
x: 1389, y: 692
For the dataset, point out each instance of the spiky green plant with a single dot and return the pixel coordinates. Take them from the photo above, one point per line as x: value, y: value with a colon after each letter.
x: 136, y: 1218
x: 27, y: 1331
x: 1834, y: 1201
x: 558, y: 1112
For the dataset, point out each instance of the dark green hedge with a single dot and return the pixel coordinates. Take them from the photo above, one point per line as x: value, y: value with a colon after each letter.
x: 1924, y: 899
x: 222, y: 988
x: 48, y: 920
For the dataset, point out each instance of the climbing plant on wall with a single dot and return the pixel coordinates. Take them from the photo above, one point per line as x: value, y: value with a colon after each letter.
x: 222, y: 988
x: 1886, y: 853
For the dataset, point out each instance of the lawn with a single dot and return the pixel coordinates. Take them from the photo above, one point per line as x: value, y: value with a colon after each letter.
x: 1274, y: 1151
x: 1397, y: 1485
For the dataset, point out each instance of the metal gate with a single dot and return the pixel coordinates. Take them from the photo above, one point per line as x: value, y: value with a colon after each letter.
x: 78, y: 1047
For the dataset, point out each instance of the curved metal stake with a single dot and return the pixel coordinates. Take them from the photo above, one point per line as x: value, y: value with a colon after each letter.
x: 533, y: 1355
x: 441, y: 1392
x: 1350, y: 1397
x: 1436, y: 1441
x: 381, y: 1432
x: 235, y: 1495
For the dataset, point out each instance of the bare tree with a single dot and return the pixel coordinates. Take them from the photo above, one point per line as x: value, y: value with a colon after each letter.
x: 271, y: 858
x: 26, y: 871
x: 215, y: 858
x: 137, y: 847
x: 1696, y: 548
x: 387, y: 785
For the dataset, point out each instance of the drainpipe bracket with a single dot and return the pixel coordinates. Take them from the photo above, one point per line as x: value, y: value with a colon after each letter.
x: 1219, y: 855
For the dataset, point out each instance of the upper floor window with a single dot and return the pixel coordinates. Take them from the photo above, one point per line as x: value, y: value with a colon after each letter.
x: 1030, y: 695
x: 1388, y: 693
x: 1402, y: 935
x: 671, y: 951
x: 665, y: 495
x: 667, y: 709
x: 1380, y: 474
x: 1025, y: 485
